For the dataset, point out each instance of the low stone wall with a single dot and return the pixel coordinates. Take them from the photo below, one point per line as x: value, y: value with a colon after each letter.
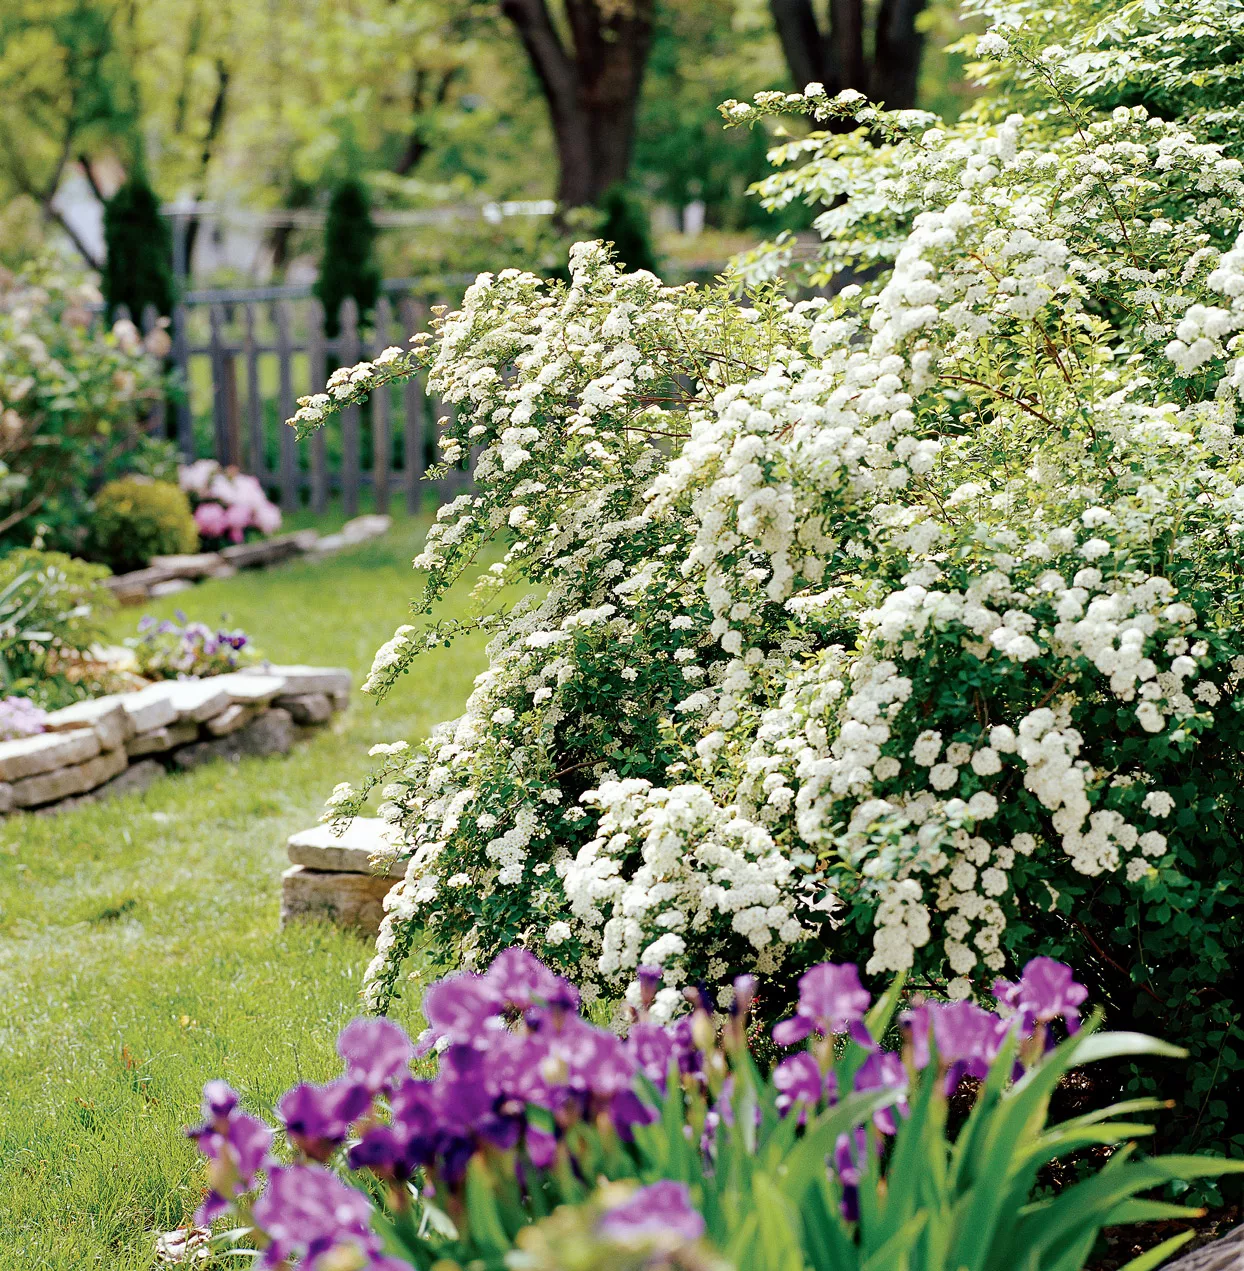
x: 332, y: 876
x: 167, y: 575
x: 112, y: 745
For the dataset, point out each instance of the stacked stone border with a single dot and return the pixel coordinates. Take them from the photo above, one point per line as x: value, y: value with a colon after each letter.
x: 167, y: 575
x: 341, y: 876
x: 120, y: 743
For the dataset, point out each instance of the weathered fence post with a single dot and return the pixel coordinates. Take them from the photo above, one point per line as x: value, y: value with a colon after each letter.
x: 349, y: 346
x: 412, y: 401
x: 257, y: 453
x: 289, y: 442
x: 319, y: 451
x: 381, y: 447
x: 224, y: 410
x: 181, y: 359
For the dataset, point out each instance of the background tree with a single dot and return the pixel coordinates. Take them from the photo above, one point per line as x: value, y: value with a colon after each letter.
x: 138, y: 267
x: 591, y: 83
x: 883, y: 63
x: 348, y: 266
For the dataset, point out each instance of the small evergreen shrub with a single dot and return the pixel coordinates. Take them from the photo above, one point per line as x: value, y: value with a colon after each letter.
x: 138, y: 270
x: 348, y: 266
x: 52, y: 610
x: 136, y: 519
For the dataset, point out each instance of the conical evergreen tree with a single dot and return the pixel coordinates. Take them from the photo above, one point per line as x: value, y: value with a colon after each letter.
x: 348, y: 266
x: 626, y: 227
x: 139, y: 266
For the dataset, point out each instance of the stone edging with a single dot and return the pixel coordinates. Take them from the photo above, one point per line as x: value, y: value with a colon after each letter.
x: 112, y: 745
x: 336, y: 877
x: 167, y: 575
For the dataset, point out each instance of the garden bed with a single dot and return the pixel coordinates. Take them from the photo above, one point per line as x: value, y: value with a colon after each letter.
x: 125, y: 741
x: 167, y: 575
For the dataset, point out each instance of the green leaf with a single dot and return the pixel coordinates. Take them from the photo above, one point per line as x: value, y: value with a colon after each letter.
x: 1154, y: 1257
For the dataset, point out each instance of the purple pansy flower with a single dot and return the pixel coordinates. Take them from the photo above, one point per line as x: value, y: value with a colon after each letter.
x: 660, y: 1211
x: 377, y: 1052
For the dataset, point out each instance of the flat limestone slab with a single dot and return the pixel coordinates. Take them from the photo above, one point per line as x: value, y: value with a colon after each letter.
x: 161, y: 739
x: 308, y: 708
x: 149, y: 708
x: 106, y: 715
x: 44, y: 752
x: 49, y: 787
x: 248, y: 689
x: 230, y: 720
x: 197, y: 700
x: 346, y: 900
x: 306, y: 679
x: 323, y: 850
x: 271, y: 734
x: 134, y: 780
x: 188, y: 565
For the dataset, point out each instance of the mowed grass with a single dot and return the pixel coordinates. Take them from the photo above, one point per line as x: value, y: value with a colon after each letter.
x: 139, y: 947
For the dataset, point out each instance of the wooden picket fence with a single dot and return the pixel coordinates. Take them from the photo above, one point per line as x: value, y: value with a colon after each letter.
x: 246, y: 355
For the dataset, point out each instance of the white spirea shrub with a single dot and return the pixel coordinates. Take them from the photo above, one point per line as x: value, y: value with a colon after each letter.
x: 907, y: 617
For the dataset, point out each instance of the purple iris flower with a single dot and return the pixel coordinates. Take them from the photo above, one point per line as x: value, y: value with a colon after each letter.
x: 388, y: 1153
x: 459, y: 1008
x: 883, y: 1070
x: 850, y: 1150
x: 377, y: 1052
x: 237, y: 1145
x: 652, y: 1048
x: 916, y: 1024
x: 318, y: 1118
x: 1047, y: 990
x: 521, y: 981
x: 968, y: 1040
x: 626, y: 1111
x: 660, y: 1211
x: 541, y: 1146
x: 831, y: 1000
x: 649, y: 978
x: 799, y: 1080
x: 219, y: 1101
x: 305, y: 1210
x: 597, y: 1062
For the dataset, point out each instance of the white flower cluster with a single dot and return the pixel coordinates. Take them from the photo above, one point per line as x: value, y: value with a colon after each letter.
x: 919, y: 599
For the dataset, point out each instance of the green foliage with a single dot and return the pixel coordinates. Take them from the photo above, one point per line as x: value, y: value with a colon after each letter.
x: 1180, y: 59
x: 348, y: 266
x: 625, y: 225
x: 138, y: 268
x: 52, y: 610
x: 136, y: 518
x: 125, y: 990
x: 935, y: 1199
x: 74, y: 397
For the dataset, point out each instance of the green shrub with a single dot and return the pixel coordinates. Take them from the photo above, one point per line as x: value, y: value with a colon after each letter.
x: 74, y: 399
x: 51, y: 612
x: 136, y: 519
x: 626, y: 227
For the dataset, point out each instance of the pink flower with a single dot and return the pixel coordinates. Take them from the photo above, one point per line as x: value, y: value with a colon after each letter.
x: 211, y: 519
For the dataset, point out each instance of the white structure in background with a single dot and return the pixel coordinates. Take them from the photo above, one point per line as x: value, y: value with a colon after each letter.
x: 693, y: 218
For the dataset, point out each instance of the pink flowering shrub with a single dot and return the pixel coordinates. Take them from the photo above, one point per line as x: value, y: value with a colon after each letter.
x: 20, y: 717
x: 540, y: 1132
x: 228, y: 505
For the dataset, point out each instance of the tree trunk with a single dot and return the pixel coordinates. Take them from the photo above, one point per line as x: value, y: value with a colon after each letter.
x: 835, y: 57
x: 591, y: 87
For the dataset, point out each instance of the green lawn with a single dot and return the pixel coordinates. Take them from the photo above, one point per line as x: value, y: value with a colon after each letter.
x: 139, y: 950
